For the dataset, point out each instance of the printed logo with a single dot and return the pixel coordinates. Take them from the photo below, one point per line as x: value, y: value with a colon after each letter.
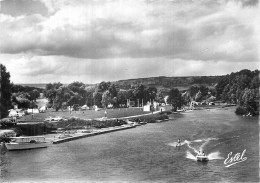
x: 236, y: 158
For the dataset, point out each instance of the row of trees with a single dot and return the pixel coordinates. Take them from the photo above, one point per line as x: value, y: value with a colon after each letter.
x: 24, y: 97
x: 101, y: 95
x: 240, y: 88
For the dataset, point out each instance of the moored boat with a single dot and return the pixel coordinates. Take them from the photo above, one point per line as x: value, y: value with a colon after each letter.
x: 22, y: 143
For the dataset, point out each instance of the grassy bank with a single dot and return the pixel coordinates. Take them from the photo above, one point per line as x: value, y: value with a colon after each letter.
x: 86, y: 114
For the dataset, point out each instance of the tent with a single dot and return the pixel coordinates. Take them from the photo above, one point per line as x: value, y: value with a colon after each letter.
x: 43, y: 109
x: 33, y: 111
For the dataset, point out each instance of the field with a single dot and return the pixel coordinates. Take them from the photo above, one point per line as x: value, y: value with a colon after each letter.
x: 86, y: 114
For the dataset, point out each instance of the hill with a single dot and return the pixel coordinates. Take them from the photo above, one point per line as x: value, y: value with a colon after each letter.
x: 38, y: 85
x: 182, y: 83
x: 161, y: 82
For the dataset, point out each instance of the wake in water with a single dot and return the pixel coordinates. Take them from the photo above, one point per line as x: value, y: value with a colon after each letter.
x: 175, y: 143
x: 189, y: 155
x: 215, y: 155
x: 211, y: 156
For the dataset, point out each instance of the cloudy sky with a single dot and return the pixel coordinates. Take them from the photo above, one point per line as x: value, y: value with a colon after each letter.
x: 44, y: 41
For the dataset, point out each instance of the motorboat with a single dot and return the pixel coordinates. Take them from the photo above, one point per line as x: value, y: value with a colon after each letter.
x: 202, y: 158
x: 22, y: 143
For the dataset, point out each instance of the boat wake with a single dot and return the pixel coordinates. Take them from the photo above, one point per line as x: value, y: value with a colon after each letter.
x: 189, y: 155
x: 175, y: 143
x: 215, y: 155
x: 211, y: 156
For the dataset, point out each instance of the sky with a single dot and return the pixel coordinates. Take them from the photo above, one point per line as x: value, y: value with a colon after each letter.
x: 43, y: 41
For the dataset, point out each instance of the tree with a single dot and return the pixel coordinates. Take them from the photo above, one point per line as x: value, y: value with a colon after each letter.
x: 113, y: 90
x: 225, y: 93
x: 193, y: 90
x: 97, y: 98
x: 103, y: 86
x: 250, y: 100
x: 23, y: 102
x: 130, y: 94
x: 140, y: 93
x: 221, y: 85
x: 198, y: 96
x: 106, y: 98
x: 175, y: 98
x: 5, y: 91
x: 51, y: 91
x: 186, y: 97
x: 79, y: 91
x: 121, y: 97
x: 63, y: 97
x: 75, y: 99
x: 89, y: 95
x: 152, y: 91
x: 160, y: 96
x: 34, y: 94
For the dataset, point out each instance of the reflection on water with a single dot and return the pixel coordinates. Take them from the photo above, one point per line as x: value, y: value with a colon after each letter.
x: 147, y: 153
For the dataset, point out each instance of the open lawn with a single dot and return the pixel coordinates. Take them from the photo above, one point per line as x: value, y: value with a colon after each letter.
x: 86, y: 114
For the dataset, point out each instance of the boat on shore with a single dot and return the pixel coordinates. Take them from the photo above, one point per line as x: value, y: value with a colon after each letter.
x: 202, y: 158
x: 22, y: 143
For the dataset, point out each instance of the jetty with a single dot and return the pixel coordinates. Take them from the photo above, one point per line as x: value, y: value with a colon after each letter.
x: 98, y: 132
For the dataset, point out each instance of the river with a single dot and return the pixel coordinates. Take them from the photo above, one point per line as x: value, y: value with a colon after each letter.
x: 148, y: 153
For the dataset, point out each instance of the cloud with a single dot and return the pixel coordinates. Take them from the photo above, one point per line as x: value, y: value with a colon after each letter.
x: 136, y: 29
x: 95, y: 40
x: 22, y: 7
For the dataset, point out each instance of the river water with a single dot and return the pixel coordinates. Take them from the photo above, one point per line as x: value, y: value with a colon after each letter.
x: 148, y: 153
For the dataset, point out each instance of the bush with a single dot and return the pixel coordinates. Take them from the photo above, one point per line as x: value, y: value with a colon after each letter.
x: 165, y: 112
x: 163, y: 117
x: 240, y: 111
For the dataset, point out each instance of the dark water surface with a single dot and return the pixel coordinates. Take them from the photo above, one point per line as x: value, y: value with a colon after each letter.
x: 147, y: 153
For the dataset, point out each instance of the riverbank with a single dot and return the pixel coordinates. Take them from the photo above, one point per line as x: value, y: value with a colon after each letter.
x: 30, y: 128
x: 84, y: 114
x: 57, y: 139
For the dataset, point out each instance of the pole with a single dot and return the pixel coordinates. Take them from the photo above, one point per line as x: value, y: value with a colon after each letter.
x: 32, y: 109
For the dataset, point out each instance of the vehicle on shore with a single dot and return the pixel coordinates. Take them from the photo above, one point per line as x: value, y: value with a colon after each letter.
x: 22, y: 143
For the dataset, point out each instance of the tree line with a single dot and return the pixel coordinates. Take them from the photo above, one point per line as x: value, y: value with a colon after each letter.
x: 102, y: 95
x: 240, y: 88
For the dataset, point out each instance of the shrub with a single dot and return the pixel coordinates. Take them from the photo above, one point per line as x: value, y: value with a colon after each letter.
x: 163, y: 117
x: 240, y: 111
x: 165, y: 112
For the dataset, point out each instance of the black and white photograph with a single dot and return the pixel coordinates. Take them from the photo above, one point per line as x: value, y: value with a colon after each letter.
x: 129, y: 91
